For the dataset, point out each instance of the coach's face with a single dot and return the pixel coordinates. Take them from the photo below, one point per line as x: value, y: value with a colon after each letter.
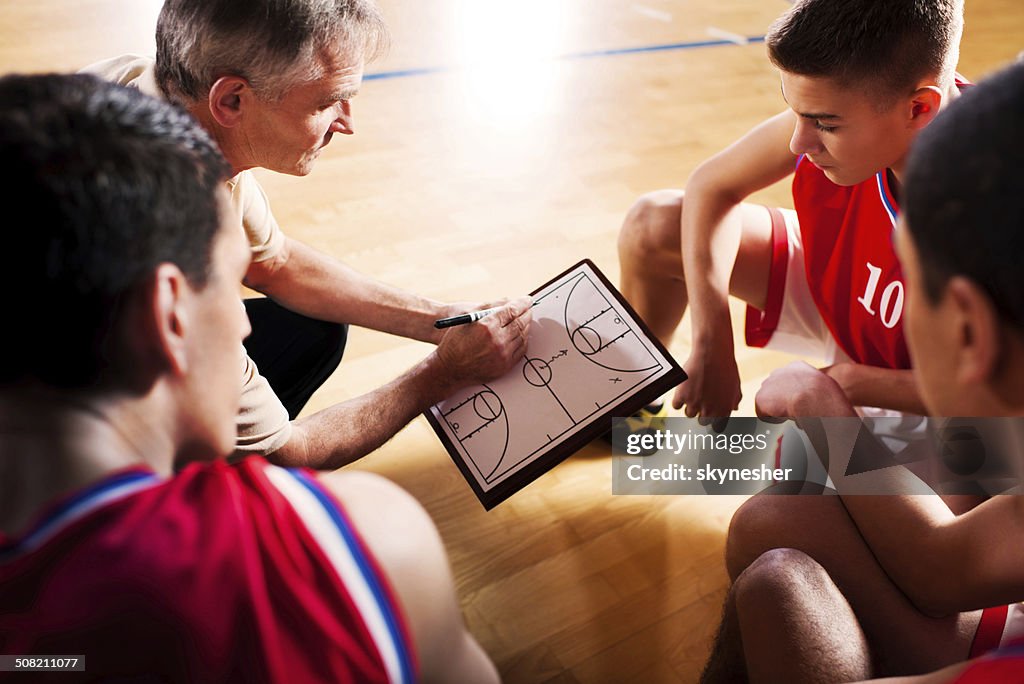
x: 842, y: 131
x: 288, y: 135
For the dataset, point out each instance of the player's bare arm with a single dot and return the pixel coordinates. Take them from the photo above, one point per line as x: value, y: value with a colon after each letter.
x: 943, y: 562
x: 712, y: 240
x: 886, y: 388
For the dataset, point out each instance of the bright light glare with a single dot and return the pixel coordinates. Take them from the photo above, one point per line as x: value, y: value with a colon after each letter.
x: 505, y: 52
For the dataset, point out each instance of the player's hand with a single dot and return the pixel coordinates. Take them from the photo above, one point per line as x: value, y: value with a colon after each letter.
x: 487, y: 349
x: 712, y: 388
x: 799, y: 390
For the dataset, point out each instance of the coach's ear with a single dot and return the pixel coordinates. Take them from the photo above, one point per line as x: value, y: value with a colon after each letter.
x: 227, y: 100
x: 925, y: 104
x: 978, y: 333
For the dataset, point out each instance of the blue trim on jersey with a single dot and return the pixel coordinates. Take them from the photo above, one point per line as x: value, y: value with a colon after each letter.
x: 799, y: 160
x: 76, y: 502
x: 1014, y: 649
x: 893, y: 212
x: 354, y: 545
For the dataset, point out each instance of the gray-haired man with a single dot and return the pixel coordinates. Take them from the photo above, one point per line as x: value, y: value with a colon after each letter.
x: 273, y: 83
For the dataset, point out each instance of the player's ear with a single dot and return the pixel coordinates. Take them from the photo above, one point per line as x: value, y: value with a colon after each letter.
x: 925, y: 104
x: 166, y: 321
x: 228, y: 98
x: 978, y: 333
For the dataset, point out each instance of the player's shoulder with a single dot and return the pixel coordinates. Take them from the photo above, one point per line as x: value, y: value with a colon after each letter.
x: 395, y: 528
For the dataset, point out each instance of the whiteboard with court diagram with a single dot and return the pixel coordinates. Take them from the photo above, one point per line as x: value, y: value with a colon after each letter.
x: 589, y: 358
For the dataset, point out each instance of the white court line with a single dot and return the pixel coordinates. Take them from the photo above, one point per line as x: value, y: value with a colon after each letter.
x: 736, y: 38
x: 653, y: 13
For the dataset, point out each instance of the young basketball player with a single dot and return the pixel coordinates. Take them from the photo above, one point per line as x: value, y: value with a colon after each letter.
x: 906, y: 594
x: 119, y: 365
x: 861, y: 79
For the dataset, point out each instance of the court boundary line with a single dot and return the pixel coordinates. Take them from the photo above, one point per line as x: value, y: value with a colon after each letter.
x: 587, y: 54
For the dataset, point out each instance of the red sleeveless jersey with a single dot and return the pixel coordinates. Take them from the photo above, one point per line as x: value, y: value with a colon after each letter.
x: 1004, y: 665
x: 246, y: 573
x: 850, y: 260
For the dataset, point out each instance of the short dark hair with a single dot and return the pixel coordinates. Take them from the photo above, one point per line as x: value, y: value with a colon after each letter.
x: 884, y: 46
x: 274, y: 44
x: 107, y: 184
x: 964, y: 185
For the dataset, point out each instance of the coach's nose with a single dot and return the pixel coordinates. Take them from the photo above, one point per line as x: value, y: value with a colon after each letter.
x: 344, y: 123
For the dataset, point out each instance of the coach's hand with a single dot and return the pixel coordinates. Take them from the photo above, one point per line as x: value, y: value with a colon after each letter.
x: 487, y: 349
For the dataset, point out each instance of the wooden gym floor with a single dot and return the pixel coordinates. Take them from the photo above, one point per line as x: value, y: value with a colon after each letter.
x: 514, y: 154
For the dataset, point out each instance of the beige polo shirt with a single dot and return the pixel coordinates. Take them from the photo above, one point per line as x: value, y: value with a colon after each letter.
x: 263, y: 424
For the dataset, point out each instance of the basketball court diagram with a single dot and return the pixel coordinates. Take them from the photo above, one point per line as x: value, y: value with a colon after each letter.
x: 585, y: 356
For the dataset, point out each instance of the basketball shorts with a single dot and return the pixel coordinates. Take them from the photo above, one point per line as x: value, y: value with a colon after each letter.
x: 790, y: 321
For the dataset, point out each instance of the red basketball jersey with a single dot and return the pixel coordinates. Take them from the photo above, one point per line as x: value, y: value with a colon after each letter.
x: 850, y: 260
x: 222, y: 573
x: 1004, y: 665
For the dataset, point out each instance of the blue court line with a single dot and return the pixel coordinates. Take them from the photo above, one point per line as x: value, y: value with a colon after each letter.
x: 426, y: 71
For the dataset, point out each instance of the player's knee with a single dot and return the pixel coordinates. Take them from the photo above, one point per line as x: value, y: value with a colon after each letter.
x: 651, y: 225
x: 775, y: 576
x: 751, y: 531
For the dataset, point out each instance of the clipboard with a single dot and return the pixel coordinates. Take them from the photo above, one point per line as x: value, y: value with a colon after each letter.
x: 590, y: 357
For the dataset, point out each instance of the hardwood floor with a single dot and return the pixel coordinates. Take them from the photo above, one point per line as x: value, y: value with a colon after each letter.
x: 483, y: 177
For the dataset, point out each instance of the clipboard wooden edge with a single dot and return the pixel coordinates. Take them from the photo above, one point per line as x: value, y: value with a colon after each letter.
x: 675, y: 375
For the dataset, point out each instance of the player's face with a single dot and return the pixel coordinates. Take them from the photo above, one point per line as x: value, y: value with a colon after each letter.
x: 928, y: 336
x: 288, y: 135
x: 218, y: 325
x: 842, y: 131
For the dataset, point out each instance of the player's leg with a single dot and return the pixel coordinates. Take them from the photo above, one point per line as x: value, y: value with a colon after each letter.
x: 786, y: 621
x: 295, y: 353
x: 903, y: 640
x: 650, y: 257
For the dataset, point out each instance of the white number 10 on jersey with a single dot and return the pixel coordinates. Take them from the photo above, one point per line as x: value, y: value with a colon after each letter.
x: 890, y: 308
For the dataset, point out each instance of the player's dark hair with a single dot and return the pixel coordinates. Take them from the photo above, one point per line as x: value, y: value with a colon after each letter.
x: 885, y: 46
x: 103, y: 185
x: 962, y: 200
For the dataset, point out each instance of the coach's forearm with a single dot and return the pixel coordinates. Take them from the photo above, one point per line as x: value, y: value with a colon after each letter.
x: 346, y: 432
x: 321, y: 287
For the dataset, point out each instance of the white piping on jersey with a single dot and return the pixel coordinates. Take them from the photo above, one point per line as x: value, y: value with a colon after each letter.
x: 327, y: 535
